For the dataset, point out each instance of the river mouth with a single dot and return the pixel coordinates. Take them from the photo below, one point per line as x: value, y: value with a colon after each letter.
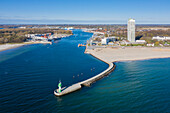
x: 27, y: 80
x: 29, y: 74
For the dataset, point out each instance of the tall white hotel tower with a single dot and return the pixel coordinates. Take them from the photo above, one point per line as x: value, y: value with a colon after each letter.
x: 131, y: 30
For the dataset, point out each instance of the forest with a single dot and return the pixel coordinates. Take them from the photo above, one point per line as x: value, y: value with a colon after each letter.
x: 18, y: 35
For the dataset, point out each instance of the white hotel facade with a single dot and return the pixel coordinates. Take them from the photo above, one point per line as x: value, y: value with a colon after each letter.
x: 131, y: 30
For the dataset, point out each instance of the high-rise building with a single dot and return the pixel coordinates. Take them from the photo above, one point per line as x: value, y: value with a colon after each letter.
x: 131, y: 30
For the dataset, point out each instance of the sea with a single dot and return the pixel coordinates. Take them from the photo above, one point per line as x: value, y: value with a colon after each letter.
x: 29, y: 75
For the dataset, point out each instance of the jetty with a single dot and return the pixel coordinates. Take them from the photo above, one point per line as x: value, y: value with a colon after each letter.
x: 86, y: 83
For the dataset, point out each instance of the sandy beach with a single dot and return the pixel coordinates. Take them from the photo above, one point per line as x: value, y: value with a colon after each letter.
x: 129, y: 53
x: 4, y: 47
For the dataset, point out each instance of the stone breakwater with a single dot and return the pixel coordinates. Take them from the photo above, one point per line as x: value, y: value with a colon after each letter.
x: 109, y: 55
x: 87, y: 82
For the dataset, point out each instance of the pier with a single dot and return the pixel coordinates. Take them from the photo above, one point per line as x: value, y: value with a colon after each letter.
x: 87, y: 82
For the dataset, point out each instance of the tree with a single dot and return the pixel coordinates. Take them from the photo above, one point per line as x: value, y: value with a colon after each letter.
x: 157, y: 43
x: 161, y: 42
x: 106, y: 35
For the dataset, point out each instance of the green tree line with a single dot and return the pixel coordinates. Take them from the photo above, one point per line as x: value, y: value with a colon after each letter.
x: 18, y: 35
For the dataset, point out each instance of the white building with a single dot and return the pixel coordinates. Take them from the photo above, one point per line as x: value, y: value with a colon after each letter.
x: 68, y: 28
x: 105, y: 41
x: 140, y: 41
x: 161, y: 38
x: 36, y: 37
x: 131, y: 30
x: 151, y: 45
x: 112, y: 39
x: 124, y: 42
x: 99, y: 33
x: 110, y: 43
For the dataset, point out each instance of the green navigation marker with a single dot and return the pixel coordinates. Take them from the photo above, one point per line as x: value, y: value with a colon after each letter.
x: 59, y: 87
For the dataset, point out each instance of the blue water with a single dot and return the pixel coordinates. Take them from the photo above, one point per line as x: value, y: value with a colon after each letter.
x: 29, y: 74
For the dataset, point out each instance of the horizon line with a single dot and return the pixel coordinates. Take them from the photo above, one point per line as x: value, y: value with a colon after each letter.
x: 67, y: 21
x: 79, y: 24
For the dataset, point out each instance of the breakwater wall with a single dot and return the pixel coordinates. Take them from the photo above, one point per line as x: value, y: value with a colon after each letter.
x: 87, y: 82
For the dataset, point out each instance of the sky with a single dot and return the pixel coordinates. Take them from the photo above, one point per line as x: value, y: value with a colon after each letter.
x: 84, y: 11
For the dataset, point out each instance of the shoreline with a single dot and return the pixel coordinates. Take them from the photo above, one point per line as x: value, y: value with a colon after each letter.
x: 109, y: 60
x: 5, y: 47
x: 129, y: 54
x: 89, y: 81
x: 8, y: 46
x: 142, y: 59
